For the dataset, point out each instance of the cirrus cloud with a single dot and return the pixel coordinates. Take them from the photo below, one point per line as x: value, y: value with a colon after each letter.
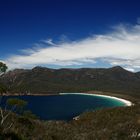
x: 121, y: 47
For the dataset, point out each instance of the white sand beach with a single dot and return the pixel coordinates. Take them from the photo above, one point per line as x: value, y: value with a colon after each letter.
x: 126, y: 102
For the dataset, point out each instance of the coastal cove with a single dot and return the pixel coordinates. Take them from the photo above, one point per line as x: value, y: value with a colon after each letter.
x: 66, y: 106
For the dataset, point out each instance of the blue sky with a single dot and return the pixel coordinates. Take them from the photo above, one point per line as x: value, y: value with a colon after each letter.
x: 70, y: 33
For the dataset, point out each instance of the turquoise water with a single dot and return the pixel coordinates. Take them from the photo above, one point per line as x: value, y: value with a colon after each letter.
x: 65, y: 107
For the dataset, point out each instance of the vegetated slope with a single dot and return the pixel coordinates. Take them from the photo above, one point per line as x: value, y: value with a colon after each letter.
x: 108, y: 124
x: 44, y: 80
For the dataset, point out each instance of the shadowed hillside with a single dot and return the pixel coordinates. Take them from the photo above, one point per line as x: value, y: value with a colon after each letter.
x: 42, y: 80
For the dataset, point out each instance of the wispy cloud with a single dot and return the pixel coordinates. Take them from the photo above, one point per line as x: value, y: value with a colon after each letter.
x: 121, y: 46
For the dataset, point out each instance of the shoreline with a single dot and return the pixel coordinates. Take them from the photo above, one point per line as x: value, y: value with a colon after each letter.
x: 126, y: 102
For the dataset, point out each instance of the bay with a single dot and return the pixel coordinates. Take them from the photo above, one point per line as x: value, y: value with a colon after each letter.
x: 65, y: 107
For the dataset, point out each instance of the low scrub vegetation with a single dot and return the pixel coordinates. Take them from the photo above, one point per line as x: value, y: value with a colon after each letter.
x: 121, y: 123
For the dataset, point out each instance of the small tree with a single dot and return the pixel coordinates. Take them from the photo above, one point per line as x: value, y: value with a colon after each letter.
x: 3, y: 68
x: 15, y: 105
x: 29, y: 114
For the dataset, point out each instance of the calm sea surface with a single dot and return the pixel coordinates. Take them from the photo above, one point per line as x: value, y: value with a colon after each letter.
x: 65, y: 107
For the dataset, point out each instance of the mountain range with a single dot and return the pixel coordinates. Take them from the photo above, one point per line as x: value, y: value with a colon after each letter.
x: 41, y: 80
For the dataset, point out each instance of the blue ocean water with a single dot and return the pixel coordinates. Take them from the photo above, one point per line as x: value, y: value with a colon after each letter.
x: 65, y: 107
